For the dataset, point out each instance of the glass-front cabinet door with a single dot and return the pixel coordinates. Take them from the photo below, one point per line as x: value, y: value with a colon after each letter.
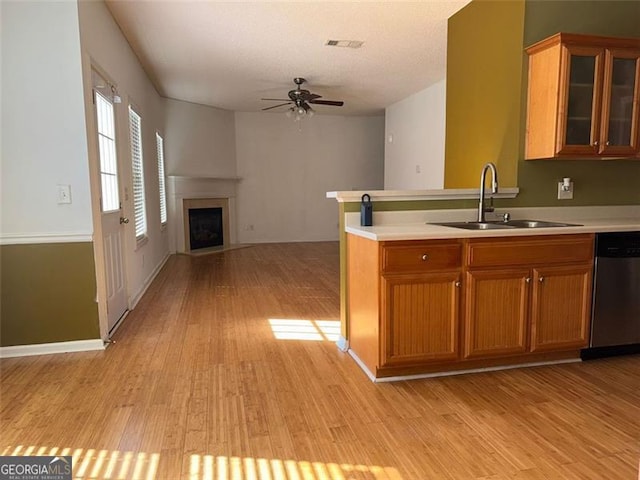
x: 620, y: 103
x: 583, y: 99
x: 580, y: 106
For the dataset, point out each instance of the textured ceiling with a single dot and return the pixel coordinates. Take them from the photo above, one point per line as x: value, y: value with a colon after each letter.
x: 232, y: 54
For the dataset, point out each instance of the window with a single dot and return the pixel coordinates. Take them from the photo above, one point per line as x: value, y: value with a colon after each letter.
x: 139, y: 210
x: 110, y: 199
x: 161, y: 181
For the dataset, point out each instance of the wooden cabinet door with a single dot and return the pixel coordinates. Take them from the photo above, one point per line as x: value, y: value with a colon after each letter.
x: 420, y: 318
x: 561, y: 307
x: 580, y: 100
x: 496, y: 312
x: 621, y: 103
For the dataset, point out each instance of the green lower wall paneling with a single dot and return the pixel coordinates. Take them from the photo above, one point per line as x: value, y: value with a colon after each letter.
x: 47, y: 293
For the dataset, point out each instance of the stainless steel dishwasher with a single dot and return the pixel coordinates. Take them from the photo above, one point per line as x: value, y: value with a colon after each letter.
x: 615, y: 319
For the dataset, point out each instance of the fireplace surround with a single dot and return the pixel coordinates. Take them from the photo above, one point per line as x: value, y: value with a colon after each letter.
x: 186, y: 192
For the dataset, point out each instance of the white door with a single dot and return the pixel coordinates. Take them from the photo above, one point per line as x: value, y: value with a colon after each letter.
x: 113, y: 221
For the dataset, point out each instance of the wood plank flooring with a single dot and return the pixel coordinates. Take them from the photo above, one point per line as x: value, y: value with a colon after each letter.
x: 199, y: 386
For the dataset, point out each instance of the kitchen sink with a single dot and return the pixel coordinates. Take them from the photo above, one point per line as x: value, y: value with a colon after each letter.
x: 476, y: 225
x: 500, y: 225
x: 538, y: 224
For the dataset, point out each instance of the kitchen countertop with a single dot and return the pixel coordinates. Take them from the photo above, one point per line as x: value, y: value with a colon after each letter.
x: 426, y: 231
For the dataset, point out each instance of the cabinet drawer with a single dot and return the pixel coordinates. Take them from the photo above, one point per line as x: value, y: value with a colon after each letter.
x: 552, y: 249
x: 400, y: 257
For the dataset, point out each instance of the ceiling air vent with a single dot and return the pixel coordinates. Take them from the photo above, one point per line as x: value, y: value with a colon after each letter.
x: 344, y: 43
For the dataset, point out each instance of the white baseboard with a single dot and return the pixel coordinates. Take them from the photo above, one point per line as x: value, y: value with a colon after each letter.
x: 364, y: 368
x: 343, y: 343
x: 145, y: 286
x: 49, y: 348
x: 449, y: 373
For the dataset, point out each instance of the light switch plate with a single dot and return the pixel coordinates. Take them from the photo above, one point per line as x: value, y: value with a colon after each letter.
x: 64, y: 194
x: 565, y: 195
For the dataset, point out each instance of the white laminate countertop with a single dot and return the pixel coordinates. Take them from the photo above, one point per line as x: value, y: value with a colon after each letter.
x: 387, y: 229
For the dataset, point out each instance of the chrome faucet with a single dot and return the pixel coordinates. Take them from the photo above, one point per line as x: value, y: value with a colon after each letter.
x: 494, y: 187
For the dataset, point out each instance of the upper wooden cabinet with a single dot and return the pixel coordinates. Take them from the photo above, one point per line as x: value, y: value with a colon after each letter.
x: 583, y: 98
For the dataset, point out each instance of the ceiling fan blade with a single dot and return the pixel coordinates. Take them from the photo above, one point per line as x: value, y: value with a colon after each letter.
x: 327, y: 102
x: 307, y: 96
x: 276, y: 106
x: 277, y: 99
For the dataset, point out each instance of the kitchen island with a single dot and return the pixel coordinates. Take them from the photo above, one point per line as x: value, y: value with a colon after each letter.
x: 425, y: 299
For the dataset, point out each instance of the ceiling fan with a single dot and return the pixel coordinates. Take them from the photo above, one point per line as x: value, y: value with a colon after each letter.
x: 300, y: 99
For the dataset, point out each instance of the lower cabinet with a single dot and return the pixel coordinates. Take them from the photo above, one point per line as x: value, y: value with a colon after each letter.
x: 420, y: 318
x: 561, y: 307
x: 497, y: 312
x: 537, y: 298
x: 438, y: 305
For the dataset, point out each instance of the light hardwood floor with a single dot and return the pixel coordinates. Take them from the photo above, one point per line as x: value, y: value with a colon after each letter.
x: 199, y: 386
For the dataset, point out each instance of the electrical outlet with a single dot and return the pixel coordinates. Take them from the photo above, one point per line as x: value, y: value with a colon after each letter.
x: 565, y: 194
x: 64, y: 194
x: 418, y: 169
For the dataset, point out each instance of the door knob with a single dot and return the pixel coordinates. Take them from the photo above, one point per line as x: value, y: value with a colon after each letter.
x: 124, y: 220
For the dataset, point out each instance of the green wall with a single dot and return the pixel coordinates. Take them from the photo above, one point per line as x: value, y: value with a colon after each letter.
x: 612, y: 182
x: 47, y: 293
x: 484, y: 64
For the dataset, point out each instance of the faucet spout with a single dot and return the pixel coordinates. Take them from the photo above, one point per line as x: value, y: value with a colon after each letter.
x: 494, y: 187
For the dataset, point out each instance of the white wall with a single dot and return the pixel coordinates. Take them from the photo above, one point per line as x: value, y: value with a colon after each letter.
x: 104, y: 45
x: 414, y: 141
x: 43, y: 129
x: 200, y: 140
x: 286, y: 172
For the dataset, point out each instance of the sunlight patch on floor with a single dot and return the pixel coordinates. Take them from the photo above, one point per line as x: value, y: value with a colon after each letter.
x: 90, y: 464
x: 298, y: 329
x: 207, y: 467
x: 94, y: 464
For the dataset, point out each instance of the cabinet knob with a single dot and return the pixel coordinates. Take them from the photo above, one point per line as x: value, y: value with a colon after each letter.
x: 608, y: 143
x: 425, y: 257
x: 528, y: 279
x: 596, y: 143
x: 541, y: 279
x: 457, y: 284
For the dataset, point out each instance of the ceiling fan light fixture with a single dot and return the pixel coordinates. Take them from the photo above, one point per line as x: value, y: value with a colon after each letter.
x: 300, y: 100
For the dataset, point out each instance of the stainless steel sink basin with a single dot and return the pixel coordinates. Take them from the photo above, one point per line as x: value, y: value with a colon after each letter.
x: 505, y: 225
x: 537, y: 224
x: 476, y: 225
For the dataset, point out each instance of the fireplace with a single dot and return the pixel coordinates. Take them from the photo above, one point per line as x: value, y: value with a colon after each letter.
x: 206, y: 223
x: 205, y: 228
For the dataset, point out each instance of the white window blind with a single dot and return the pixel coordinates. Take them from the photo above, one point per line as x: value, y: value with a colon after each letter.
x: 139, y: 208
x: 110, y: 199
x: 161, y: 180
